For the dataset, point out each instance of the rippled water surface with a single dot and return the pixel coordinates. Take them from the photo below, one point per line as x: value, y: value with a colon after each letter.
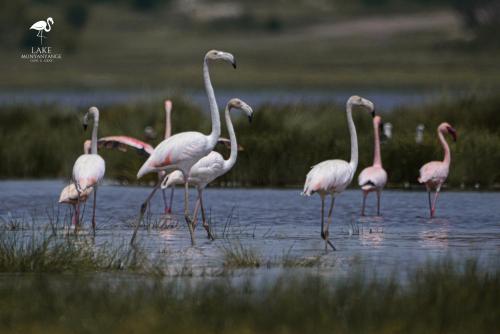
x: 281, y: 224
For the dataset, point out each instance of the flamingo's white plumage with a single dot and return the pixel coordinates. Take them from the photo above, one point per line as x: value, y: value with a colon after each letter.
x: 213, y: 165
x: 373, y: 178
x: 89, y: 169
x: 433, y: 174
x: 181, y: 151
x: 332, y: 177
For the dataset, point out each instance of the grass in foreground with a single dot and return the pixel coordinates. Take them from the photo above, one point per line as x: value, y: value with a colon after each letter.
x: 444, y: 297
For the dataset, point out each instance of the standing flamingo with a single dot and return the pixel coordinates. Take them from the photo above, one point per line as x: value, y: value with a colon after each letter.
x: 69, y: 194
x: 183, y: 150
x: 333, y: 176
x: 89, y: 169
x: 434, y: 173
x: 373, y: 178
x: 211, y: 166
x: 42, y: 26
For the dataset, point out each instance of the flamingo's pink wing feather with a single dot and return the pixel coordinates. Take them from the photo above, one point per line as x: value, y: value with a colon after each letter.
x: 122, y: 143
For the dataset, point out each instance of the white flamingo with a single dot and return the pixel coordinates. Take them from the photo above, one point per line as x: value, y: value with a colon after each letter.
x: 373, y: 178
x: 42, y: 26
x: 69, y: 194
x: 89, y: 169
x: 333, y: 176
x: 211, y: 166
x: 181, y: 151
x: 435, y: 173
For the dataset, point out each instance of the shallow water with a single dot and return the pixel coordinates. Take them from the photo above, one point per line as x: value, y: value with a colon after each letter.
x: 281, y: 224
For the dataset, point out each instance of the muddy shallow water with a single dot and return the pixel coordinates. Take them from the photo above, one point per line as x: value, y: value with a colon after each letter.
x: 280, y: 224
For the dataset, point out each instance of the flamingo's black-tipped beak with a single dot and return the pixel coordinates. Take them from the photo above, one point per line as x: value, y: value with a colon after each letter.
x: 234, y: 64
x: 250, y: 117
x: 373, y: 113
x: 452, y: 132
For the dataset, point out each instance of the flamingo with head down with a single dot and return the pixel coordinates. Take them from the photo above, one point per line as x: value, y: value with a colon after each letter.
x: 373, y: 178
x: 211, y: 166
x: 183, y: 150
x: 433, y: 174
x: 331, y: 177
x: 122, y: 143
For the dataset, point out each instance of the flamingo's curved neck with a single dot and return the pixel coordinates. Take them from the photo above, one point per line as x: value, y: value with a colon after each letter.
x: 93, y: 149
x: 377, y: 158
x: 214, y: 109
x: 447, y: 155
x: 228, y: 164
x: 47, y: 27
x: 354, y: 139
x: 168, y: 124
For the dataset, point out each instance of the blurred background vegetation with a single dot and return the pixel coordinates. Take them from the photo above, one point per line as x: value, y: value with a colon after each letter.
x: 159, y: 44
x: 280, y: 145
x: 350, y: 45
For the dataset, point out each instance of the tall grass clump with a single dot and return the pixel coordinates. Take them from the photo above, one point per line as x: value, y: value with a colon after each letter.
x: 26, y: 251
x: 443, y: 297
x: 238, y: 255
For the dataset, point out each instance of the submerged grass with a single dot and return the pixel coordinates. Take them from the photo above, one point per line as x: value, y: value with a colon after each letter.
x: 444, y: 297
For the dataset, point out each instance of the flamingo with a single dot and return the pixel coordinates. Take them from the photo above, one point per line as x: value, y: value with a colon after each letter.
x: 42, y: 26
x: 211, y: 166
x: 69, y: 194
x: 434, y: 173
x: 333, y: 176
x: 373, y: 178
x: 89, y: 169
x: 122, y: 143
x: 182, y: 150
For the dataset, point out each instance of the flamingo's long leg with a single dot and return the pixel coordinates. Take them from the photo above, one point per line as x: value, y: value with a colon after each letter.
x: 430, y: 203
x: 165, y: 205
x: 329, y: 221
x: 73, y: 217
x: 205, y: 223
x: 378, y: 202
x: 142, y: 211
x: 195, y: 213
x: 171, y: 199
x: 93, y: 210
x: 365, y: 193
x: 186, y: 210
x: 433, y: 209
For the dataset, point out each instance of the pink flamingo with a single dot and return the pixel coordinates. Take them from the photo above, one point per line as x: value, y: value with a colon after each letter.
x: 69, y: 194
x: 331, y: 177
x: 181, y: 151
x: 373, y: 178
x: 211, y: 166
x: 434, y: 173
x: 89, y: 169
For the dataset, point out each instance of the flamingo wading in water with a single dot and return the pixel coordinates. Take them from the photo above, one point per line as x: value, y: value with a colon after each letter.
x: 69, y: 194
x: 89, y: 169
x: 42, y: 26
x: 211, y: 166
x: 334, y: 176
x: 374, y: 178
x: 182, y: 150
x: 433, y: 174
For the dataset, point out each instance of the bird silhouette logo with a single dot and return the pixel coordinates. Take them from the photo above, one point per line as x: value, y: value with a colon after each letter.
x: 42, y: 26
